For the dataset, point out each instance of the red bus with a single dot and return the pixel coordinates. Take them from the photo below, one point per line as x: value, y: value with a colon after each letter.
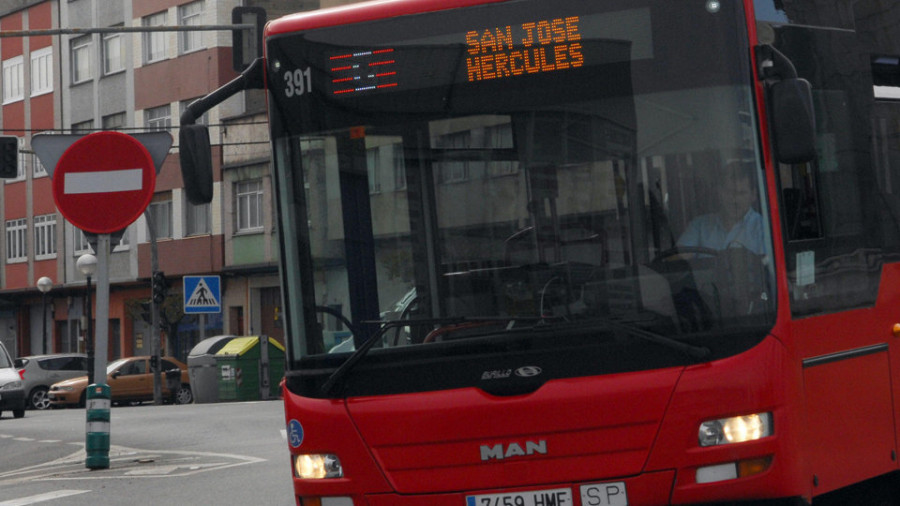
x: 587, y: 253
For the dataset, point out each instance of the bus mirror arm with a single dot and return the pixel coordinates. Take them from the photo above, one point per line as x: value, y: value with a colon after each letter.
x: 791, y: 112
x: 251, y: 79
x: 193, y: 139
x: 773, y: 64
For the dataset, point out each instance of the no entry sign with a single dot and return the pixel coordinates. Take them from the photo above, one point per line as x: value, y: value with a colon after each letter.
x: 104, y: 181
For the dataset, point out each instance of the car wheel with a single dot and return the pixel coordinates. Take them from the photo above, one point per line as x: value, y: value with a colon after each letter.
x: 184, y: 395
x: 18, y: 413
x: 82, y: 401
x: 38, y: 398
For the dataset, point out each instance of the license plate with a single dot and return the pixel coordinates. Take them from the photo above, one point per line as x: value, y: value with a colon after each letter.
x: 554, y: 497
x: 604, y: 494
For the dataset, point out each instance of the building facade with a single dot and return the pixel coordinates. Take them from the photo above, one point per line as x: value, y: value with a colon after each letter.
x: 134, y: 82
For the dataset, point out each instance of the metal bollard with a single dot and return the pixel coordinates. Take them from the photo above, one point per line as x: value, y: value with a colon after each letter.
x: 97, y: 403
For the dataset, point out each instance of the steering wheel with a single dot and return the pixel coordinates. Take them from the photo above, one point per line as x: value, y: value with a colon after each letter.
x: 673, y: 254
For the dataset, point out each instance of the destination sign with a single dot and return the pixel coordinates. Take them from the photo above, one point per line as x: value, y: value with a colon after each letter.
x: 360, y: 71
x: 533, y: 47
x: 492, y: 50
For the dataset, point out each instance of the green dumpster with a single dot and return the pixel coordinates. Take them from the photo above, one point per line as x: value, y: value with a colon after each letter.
x: 240, y: 365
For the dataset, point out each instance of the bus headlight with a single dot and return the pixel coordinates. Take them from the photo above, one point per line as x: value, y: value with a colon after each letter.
x: 736, y: 429
x: 317, y: 467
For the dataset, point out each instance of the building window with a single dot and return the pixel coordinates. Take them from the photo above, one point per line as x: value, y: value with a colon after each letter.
x: 373, y: 162
x: 81, y: 244
x: 113, y: 56
x: 399, y: 167
x: 81, y: 59
x: 453, y: 171
x: 114, y: 121
x: 123, y: 243
x: 160, y: 215
x: 45, y: 236
x: 83, y: 127
x: 190, y: 15
x: 196, y: 219
x: 248, y: 196
x: 158, y: 118
x: 155, y: 43
x: 13, y: 79
x: 15, y: 241
x: 20, y: 170
x: 500, y: 137
x: 37, y: 167
x: 42, y: 71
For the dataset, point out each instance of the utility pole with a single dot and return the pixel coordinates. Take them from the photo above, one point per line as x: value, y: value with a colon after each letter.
x: 154, y: 312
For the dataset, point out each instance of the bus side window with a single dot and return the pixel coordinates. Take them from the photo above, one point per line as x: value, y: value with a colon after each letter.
x: 799, y: 203
x: 886, y: 136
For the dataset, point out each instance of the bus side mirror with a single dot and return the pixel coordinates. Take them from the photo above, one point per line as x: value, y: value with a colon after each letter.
x: 196, y: 163
x: 793, y: 121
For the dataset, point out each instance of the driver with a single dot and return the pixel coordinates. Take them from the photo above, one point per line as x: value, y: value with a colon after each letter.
x: 736, y: 222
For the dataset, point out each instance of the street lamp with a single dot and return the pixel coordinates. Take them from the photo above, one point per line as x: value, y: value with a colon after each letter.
x: 44, y: 285
x: 87, y: 264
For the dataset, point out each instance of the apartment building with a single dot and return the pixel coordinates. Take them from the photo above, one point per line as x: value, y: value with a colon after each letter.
x: 32, y: 227
x: 133, y: 83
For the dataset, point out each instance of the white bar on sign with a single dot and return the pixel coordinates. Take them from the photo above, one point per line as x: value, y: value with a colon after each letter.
x: 107, y: 181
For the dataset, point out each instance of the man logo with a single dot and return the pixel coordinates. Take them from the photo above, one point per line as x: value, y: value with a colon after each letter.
x: 500, y: 452
x: 528, y: 371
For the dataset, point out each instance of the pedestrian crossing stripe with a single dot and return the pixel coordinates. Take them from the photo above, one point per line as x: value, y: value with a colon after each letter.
x: 204, y: 294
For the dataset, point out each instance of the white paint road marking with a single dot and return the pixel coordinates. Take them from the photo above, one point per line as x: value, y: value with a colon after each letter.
x: 49, y: 496
x: 107, y: 181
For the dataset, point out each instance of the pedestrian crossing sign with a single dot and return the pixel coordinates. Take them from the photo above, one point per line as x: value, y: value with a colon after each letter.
x: 202, y: 294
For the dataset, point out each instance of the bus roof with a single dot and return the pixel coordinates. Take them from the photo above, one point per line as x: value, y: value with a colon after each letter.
x: 360, y: 12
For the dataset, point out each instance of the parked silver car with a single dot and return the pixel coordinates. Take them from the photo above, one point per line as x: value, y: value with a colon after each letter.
x: 12, y: 395
x: 40, y: 371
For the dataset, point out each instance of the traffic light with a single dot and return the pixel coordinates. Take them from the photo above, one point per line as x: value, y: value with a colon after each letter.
x: 9, y: 156
x: 160, y: 287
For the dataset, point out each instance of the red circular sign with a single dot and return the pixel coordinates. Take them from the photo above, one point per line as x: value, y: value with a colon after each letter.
x: 104, y: 181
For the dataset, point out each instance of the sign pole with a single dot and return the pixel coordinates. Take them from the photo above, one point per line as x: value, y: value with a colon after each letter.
x: 102, y: 182
x: 101, y: 346
x: 98, y: 394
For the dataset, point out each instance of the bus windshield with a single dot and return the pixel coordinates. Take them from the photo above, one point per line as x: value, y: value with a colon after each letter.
x: 525, y: 171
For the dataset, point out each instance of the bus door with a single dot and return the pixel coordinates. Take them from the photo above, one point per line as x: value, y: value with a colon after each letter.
x: 839, y: 240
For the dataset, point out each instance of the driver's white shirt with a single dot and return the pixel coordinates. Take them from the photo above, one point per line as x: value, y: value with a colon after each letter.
x: 707, y: 231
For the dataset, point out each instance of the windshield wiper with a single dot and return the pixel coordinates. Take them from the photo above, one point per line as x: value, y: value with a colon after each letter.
x: 692, y: 351
x: 549, y: 323
x: 341, y: 372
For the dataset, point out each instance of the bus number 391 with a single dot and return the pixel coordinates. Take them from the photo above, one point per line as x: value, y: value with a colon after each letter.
x: 297, y: 82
